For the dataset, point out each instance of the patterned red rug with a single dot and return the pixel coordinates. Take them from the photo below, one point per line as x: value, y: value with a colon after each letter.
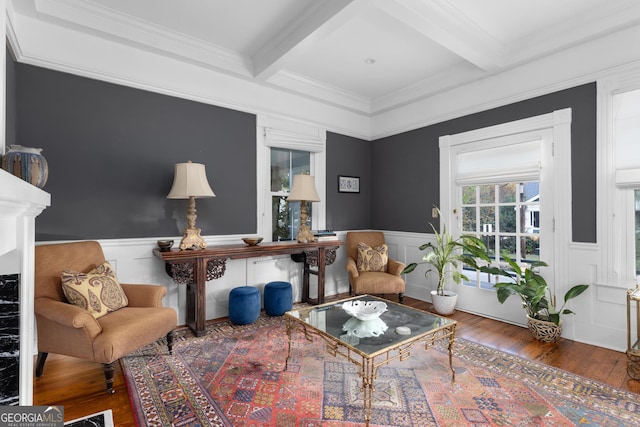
x: 234, y: 376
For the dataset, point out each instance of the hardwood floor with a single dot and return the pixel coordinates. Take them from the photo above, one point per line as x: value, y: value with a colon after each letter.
x: 79, y: 385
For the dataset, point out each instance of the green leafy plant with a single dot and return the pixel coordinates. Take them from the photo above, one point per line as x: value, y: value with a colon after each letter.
x: 537, y: 299
x: 447, y: 254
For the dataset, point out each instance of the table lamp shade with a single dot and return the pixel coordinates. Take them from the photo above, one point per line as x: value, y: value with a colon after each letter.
x: 190, y: 180
x: 303, y: 188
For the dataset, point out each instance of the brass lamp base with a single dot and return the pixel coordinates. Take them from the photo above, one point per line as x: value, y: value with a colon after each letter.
x: 305, y: 235
x: 192, y: 239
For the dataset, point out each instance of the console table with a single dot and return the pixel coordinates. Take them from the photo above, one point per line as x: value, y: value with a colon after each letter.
x: 194, y: 268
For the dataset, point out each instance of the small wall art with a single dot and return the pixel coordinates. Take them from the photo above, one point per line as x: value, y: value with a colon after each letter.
x: 348, y: 184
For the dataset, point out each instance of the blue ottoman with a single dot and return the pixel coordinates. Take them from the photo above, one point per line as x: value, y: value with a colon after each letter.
x: 278, y: 298
x: 244, y: 305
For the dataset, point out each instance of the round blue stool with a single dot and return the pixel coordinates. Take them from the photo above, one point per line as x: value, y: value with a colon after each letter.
x: 244, y: 305
x: 278, y: 298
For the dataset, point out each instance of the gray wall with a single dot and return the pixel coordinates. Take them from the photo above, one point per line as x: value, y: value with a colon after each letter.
x: 406, y: 174
x: 348, y: 156
x: 111, y: 151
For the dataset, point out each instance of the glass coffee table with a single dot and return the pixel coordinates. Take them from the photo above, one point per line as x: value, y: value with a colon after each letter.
x: 372, y: 343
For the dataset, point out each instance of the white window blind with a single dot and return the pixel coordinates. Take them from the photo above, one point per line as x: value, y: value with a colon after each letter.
x: 500, y: 164
x: 627, y: 139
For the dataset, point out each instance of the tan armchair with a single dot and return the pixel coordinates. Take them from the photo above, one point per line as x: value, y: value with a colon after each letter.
x: 70, y: 330
x: 372, y: 282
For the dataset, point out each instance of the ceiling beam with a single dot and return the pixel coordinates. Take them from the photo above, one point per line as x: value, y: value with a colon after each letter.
x: 439, y: 21
x: 317, y: 22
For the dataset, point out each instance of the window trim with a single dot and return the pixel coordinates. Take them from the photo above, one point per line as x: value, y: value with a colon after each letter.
x: 615, y: 190
x: 559, y: 124
x: 281, y: 133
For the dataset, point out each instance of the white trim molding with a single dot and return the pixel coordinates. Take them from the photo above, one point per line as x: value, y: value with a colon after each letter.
x: 548, y: 139
x: 19, y: 222
x: 615, y: 234
x: 277, y: 132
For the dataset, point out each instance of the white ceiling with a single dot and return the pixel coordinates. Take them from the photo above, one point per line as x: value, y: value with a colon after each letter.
x: 319, y: 49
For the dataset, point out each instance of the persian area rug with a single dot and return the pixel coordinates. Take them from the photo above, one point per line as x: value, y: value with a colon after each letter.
x: 235, y: 376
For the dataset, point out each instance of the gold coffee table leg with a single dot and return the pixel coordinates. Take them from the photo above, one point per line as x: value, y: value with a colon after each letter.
x: 289, y: 330
x: 368, y: 376
x: 452, y: 340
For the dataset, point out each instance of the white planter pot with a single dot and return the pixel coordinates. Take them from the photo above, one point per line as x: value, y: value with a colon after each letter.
x: 444, y: 304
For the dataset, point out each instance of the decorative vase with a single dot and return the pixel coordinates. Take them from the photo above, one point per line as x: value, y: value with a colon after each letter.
x: 26, y: 163
x: 544, y: 331
x: 444, y: 304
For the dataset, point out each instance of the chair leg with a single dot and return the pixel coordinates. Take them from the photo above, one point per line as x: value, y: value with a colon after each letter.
x: 170, y: 342
x: 108, y: 375
x: 42, y: 357
x: 400, y: 297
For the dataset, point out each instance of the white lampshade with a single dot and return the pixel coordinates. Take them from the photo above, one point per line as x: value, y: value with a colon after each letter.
x: 190, y: 180
x: 304, y: 188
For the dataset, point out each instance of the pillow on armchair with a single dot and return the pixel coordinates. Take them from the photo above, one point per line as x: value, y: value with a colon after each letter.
x: 97, y: 291
x: 372, y: 259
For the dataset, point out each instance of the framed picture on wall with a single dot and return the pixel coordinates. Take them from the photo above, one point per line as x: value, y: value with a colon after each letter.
x: 348, y: 184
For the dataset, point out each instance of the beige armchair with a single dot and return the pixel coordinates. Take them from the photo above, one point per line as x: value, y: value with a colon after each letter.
x: 71, y: 330
x: 372, y: 282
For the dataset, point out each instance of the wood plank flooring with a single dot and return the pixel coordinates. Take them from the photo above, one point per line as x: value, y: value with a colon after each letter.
x: 79, y: 385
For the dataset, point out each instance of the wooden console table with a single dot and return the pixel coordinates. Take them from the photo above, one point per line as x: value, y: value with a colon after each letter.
x: 194, y: 268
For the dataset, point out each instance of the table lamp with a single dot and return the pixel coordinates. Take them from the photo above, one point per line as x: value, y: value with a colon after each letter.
x: 304, y: 190
x: 189, y: 182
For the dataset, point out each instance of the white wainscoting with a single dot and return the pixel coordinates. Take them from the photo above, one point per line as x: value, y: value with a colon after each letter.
x: 134, y: 262
x: 404, y: 247
x: 600, y: 317
x: 600, y: 313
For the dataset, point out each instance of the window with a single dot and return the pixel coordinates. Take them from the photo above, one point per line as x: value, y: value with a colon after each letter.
x: 507, y: 219
x: 511, y: 185
x: 627, y: 178
x: 286, y: 149
x: 285, y: 216
x: 637, y: 231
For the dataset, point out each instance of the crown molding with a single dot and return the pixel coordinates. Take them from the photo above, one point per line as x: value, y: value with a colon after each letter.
x: 438, y: 21
x: 42, y: 43
x: 607, y: 19
x: 95, y: 18
x: 322, y: 92
x: 571, y: 67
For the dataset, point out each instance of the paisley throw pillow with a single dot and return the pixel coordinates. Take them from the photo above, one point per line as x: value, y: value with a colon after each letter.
x: 97, y: 291
x: 372, y: 259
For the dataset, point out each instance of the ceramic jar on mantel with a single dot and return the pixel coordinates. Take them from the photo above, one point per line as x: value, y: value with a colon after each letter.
x: 26, y: 163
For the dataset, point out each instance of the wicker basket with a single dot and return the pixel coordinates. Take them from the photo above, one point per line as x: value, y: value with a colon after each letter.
x: 633, y: 365
x: 544, y: 331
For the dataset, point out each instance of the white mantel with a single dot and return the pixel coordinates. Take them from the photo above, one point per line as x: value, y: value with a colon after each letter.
x: 20, y: 203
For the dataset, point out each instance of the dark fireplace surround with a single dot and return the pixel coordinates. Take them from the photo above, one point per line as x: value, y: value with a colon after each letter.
x: 9, y: 339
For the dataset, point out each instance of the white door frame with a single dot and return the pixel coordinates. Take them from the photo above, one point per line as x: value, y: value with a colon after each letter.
x: 558, y: 209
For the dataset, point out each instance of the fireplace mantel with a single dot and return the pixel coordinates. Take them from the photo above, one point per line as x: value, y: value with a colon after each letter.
x: 20, y: 203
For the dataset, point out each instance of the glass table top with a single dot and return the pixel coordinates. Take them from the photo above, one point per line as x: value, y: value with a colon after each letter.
x: 332, y: 320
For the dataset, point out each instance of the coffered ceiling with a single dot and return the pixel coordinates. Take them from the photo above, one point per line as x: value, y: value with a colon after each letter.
x: 367, y: 56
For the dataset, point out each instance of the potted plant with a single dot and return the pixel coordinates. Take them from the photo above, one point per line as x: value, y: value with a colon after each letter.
x: 446, y: 256
x: 543, y: 318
